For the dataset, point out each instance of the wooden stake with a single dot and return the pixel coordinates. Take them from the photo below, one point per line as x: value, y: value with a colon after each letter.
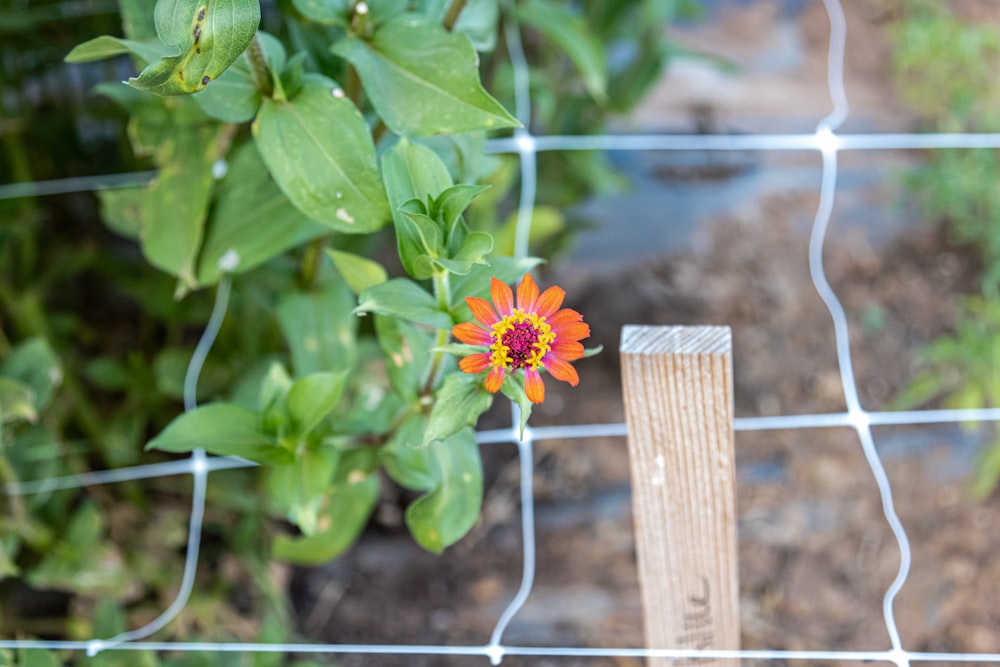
x: 679, y: 411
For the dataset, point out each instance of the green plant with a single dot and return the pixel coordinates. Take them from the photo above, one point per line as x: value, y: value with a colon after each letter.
x: 329, y: 167
x: 945, y: 71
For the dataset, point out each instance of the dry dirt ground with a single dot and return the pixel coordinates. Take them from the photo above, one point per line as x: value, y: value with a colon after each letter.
x: 816, y: 554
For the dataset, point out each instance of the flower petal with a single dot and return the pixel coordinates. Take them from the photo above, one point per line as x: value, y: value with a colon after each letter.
x: 475, y: 363
x: 567, y: 350
x: 533, y: 386
x: 494, y: 379
x: 527, y: 294
x: 471, y: 333
x: 564, y: 316
x: 572, y: 331
x: 502, y: 297
x: 561, y: 370
x: 550, y: 301
x: 482, y: 310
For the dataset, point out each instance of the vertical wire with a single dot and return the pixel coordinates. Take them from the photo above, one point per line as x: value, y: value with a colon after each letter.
x: 522, y: 136
x: 857, y: 416
x: 526, y: 149
x: 199, y: 473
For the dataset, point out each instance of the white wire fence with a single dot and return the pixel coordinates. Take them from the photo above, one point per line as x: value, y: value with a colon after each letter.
x: 826, y: 141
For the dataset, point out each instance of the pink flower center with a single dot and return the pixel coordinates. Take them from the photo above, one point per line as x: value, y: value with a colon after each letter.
x: 520, y: 340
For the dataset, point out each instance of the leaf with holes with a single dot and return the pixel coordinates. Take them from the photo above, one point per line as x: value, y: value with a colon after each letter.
x: 318, y: 148
x: 423, y: 80
x: 206, y: 36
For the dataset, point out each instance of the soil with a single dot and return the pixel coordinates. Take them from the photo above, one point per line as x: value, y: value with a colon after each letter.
x: 815, y: 552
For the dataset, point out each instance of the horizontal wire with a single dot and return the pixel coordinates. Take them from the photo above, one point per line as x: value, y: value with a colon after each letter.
x: 607, y: 142
x: 746, y: 142
x: 489, y: 650
x: 63, y: 186
x: 536, y: 433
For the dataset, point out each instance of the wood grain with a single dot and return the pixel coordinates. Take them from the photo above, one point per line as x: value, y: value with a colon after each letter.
x: 679, y: 411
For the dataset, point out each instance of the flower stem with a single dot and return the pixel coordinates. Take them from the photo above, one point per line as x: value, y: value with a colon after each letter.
x: 261, y: 72
x: 454, y: 11
x: 311, y: 261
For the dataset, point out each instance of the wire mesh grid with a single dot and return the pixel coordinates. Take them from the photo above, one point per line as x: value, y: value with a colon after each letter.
x: 824, y: 140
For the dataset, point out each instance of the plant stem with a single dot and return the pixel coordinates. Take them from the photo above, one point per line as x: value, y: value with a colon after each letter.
x: 311, y: 261
x: 379, y: 131
x: 261, y: 72
x: 16, y: 502
x: 352, y: 85
x: 454, y: 11
x: 442, y: 289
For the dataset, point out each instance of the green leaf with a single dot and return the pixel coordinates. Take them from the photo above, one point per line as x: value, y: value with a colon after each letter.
x: 458, y: 403
x: 35, y: 363
x: 233, y: 97
x: 175, y: 205
x: 443, y: 516
x: 209, y: 35
x: 107, y: 46
x: 332, y: 12
x: 343, y: 515
x: 320, y: 328
x: 318, y: 148
x: 987, y: 472
x: 426, y: 232
x: 407, y: 352
x: 37, y: 658
x: 252, y: 221
x: 423, y: 80
x: 223, y: 429
x: 403, y: 298
x: 81, y: 561
x: 450, y: 203
x: 465, y: 156
x: 358, y: 272
x: 17, y: 401
x: 478, y: 21
x: 386, y: 10
x: 572, y: 34
x: 412, y: 171
x: 407, y: 460
x: 299, y: 488
x: 137, y: 18
x: 121, y: 210
x: 312, y: 398
x: 274, y: 387
x: 473, y: 250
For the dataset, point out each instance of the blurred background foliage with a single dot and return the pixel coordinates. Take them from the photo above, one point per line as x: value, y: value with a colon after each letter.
x: 945, y: 70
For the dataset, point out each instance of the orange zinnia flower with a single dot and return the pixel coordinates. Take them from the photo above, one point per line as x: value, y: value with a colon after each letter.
x: 534, y: 334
